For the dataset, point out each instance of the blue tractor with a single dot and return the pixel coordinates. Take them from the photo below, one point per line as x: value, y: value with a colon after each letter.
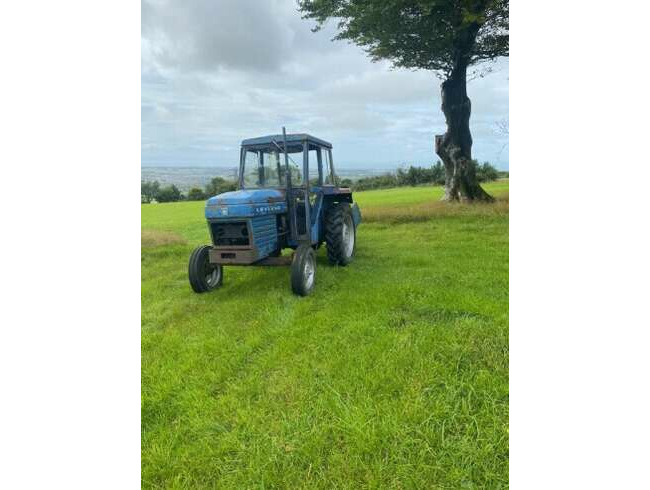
x: 288, y: 197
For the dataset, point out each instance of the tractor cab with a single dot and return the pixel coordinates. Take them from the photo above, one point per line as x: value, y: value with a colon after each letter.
x: 287, y: 197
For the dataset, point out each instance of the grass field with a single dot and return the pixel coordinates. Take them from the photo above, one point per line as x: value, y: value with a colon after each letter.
x: 393, y: 374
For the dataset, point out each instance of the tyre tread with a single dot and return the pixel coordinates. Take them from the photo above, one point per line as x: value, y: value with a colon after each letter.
x: 297, y: 280
x: 333, y: 234
x: 197, y: 282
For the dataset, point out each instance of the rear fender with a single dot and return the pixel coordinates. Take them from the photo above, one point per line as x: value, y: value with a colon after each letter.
x: 356, y: 214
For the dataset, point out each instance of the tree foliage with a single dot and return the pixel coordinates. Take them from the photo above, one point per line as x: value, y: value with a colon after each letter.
x: 195, y: 194
x: 413, y: 176
x: 219, y: 185
x: 485, y: 172
x: 152, y: 191
x: 436, y: 35
x: 149, y: 190
x: 169, y: 194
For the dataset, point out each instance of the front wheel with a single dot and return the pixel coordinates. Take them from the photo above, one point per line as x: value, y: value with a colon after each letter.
x: 303, y: 271
x: 203, y: 275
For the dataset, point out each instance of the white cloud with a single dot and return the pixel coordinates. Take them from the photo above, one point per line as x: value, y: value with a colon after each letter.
x: 215, y: 72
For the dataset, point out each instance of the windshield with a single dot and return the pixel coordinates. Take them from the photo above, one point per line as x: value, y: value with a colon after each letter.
x: 265, y: 168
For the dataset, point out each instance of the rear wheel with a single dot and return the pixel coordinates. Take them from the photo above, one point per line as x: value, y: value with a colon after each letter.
x: 303, y: 270
x: 340, y: 234
x: 203, y: 275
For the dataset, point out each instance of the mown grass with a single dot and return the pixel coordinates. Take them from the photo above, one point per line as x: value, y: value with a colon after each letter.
x: 393, y: 374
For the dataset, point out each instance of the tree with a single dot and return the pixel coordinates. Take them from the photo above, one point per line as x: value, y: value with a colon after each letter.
x: 445, y: 36
x: 486, y: 172
x: 149, y: 191
x: 438, y: 173
x: 219, y: 185
x: 169, y: 194
x: 195, y: 194
x: 346, y: 183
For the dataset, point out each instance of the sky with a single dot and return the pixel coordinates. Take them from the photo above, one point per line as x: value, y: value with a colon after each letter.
x: 215, y: 72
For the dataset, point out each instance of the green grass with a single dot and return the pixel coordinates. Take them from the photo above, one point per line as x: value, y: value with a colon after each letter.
x: 393, y: 374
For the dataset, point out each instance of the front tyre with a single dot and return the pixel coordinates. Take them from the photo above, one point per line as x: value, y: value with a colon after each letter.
x: 303, y: 271
x: 203, y: 275
x: 340, y: 234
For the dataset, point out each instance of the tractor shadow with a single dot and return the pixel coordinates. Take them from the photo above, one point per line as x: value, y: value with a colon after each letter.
x: 239, y: 280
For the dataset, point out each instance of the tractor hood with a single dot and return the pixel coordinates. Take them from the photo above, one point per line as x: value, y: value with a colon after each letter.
x: 248, y: 196
x: 246, y: 203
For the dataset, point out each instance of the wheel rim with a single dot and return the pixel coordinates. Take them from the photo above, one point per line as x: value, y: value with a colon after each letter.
x: 309, y: 272
x: 348, y: 236
x: 211, y: 274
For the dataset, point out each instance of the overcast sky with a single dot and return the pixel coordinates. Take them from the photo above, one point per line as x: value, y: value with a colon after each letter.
x: 217, y: 71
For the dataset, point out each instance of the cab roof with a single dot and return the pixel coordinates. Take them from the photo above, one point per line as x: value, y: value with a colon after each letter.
x: 294, y: 138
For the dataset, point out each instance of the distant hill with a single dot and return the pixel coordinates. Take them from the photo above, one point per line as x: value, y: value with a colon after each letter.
x: 187, y: 177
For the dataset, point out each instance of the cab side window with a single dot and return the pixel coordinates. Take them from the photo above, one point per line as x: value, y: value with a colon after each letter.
x: 313, y: 168
x: 328, y: 177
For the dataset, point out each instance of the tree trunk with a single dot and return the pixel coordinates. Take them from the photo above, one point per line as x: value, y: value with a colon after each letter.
x: 455, y: 146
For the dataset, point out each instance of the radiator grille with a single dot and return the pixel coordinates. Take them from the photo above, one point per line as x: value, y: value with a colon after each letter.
x: 229, y: 234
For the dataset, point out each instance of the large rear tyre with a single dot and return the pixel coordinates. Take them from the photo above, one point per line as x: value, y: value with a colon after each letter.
x: 303, y: 271
x: 203, y: 275
x: 340, y: 234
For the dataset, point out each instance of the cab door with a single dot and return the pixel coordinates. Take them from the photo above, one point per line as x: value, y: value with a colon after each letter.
x: 298, y: 195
